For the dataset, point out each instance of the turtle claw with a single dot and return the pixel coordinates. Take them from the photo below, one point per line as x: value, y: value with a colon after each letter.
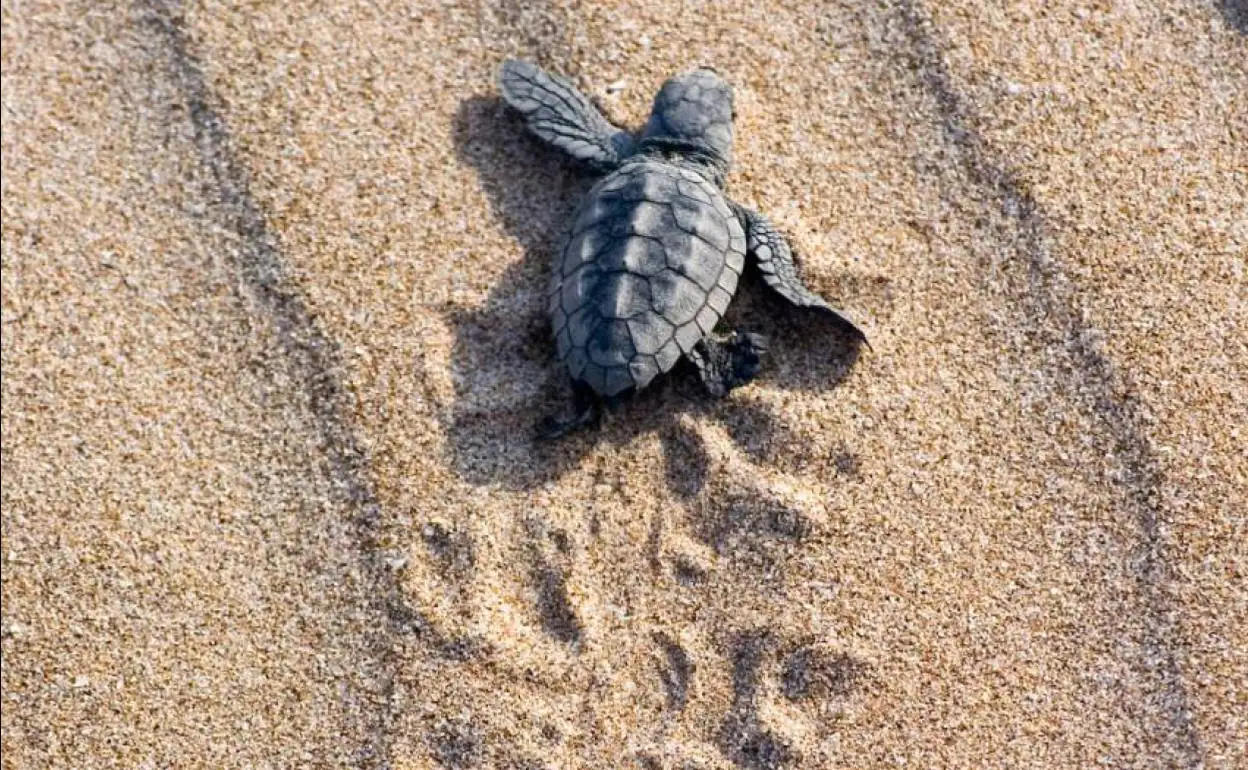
x: 553, y: 428
x: 588, y: 411
x: 728, y: 363
x: 746, y: 350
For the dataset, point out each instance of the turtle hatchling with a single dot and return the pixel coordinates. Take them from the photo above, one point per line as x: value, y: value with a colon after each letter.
x: 656, y: 251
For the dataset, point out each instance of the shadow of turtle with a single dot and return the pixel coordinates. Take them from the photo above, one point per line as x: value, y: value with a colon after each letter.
x: 502, y: 359
x: 503, y: 365
x: 1236, y: 14
x: 806, y: 351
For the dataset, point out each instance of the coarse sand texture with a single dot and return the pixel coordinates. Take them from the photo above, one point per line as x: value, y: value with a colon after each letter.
x: 275, y: 341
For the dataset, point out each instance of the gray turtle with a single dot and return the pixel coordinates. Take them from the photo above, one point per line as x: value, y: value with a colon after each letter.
x: 657, y: 249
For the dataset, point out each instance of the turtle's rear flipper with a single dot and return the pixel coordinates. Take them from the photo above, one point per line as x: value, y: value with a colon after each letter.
x: 586, y: 411
x: 774, y: 258
x: 730, y: 363
x: 562, y: 116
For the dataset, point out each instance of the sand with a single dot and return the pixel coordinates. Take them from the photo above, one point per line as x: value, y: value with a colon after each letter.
x: 274, y: 345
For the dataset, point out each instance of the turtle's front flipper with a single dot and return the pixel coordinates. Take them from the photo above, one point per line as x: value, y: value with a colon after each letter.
x: 562, y: 116
x: 774, y: 258
x: 724, y: 364
x: 586, y: 410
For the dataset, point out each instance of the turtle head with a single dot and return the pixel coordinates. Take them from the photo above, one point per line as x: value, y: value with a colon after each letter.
x: 693, y: 111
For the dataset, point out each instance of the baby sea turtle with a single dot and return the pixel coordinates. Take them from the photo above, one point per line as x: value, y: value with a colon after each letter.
x: 656, y: 250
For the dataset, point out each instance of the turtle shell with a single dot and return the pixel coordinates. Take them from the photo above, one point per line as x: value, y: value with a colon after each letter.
x: 651, y: 265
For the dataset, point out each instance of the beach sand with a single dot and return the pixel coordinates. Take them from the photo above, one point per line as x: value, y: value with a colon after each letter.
x: 274, y: 346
